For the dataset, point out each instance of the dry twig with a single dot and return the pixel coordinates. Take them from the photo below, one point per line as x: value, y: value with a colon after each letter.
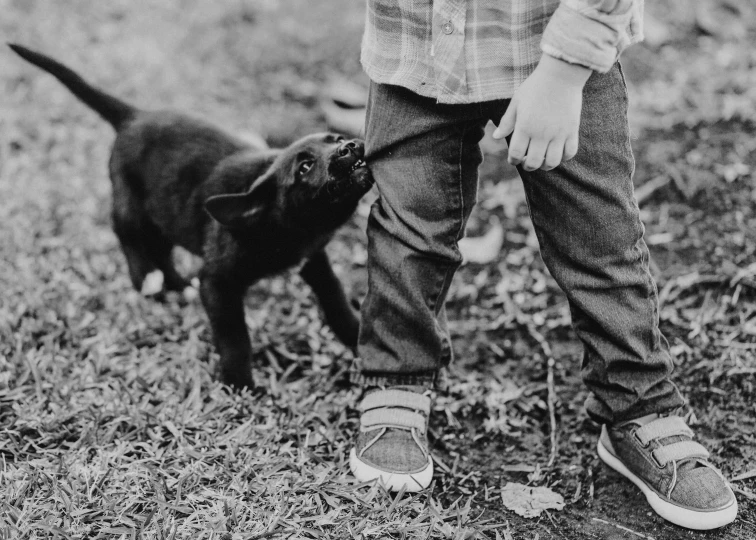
x: 620, y: 527
x: 551, y: 399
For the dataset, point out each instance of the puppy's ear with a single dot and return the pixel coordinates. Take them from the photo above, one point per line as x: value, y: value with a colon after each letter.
x: 237, y: 210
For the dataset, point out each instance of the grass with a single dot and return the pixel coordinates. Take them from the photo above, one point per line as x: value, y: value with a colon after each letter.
x: 110, y: 424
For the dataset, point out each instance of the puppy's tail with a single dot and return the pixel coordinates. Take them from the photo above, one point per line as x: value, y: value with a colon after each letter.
x: 110, y: 108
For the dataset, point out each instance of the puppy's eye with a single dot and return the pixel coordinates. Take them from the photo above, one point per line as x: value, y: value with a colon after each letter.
x: 305, y: 167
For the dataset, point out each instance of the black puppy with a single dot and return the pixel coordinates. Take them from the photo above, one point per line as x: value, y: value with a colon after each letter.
x: 272, y: 209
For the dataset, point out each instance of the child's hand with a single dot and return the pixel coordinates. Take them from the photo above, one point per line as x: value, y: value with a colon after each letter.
x: 544, y: 115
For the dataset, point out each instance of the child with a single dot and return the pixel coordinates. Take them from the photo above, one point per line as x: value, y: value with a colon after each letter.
x: 546, y: 72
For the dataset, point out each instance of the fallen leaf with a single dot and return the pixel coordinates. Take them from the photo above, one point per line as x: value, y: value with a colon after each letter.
x: 508, y: 195
x: 530, y: 502
x: 483, y: 249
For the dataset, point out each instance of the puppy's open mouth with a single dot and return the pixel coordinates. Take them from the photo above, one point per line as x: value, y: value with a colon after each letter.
x: 359, y: 164
x: 359, y: 176
x: 349, y: 182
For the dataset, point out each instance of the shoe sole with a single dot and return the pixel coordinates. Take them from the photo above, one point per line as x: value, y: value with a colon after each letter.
x: 699, y: 520
x: 411, y: 483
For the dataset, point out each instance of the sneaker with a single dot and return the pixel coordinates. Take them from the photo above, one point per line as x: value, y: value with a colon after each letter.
x: 658, y: 454
x: 392, y: 446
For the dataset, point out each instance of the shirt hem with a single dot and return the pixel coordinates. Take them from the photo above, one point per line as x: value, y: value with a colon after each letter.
x: 428, y: 89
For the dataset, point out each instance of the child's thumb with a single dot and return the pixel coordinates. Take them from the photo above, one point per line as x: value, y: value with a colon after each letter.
x: 507, y: 124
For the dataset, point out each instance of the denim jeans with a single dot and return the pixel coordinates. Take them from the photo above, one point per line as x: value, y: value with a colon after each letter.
x: 424, y: 157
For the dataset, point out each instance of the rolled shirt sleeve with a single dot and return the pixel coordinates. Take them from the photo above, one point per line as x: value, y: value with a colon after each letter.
x: 593, y: 33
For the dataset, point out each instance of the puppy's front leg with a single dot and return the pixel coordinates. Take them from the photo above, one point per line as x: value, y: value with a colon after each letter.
x: 224, y: 304
x: 339, y: 315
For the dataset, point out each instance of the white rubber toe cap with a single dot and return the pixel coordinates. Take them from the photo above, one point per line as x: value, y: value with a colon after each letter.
x: 392, y: 481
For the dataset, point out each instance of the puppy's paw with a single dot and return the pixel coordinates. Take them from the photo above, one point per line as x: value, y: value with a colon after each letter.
x: 236, y: 379
x: 152, y: 284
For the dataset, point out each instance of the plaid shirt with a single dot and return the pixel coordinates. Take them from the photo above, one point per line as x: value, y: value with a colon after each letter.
x: 468, y: 51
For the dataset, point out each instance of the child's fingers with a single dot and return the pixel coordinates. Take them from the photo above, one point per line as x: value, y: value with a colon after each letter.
x: 507, y: 124
x: 518, y: 146
x: 553, y: 155
x: 570, y: 148
x: 536, y: 153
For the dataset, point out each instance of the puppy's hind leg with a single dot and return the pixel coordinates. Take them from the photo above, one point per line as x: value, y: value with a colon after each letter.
x: 148, y: 255
x: 137, y: 259
x: 160, y: 249
x: 339, y: 315
x: 128, y: 224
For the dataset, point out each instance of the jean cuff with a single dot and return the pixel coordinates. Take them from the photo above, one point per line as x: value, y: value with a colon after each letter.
x: 436, y: 380
x: 670, y: 401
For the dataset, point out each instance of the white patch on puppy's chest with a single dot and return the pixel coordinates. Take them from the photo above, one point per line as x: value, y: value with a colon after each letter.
x: 153, y: 283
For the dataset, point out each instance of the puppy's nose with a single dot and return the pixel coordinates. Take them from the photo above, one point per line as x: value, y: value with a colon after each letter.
x: 348, y: 147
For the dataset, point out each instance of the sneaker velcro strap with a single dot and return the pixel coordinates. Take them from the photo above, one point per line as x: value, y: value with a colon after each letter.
x: 679, y: 450
x: 391, y: 417
x: 396, y: 398
x: 667, y: 426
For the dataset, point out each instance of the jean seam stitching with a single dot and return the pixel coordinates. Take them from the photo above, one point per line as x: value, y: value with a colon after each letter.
x: 445, y: 347
x: 461, y: 189
x: 653, y: 298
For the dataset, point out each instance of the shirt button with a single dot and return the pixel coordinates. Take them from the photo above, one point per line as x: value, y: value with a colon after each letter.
x: 447, y: 27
